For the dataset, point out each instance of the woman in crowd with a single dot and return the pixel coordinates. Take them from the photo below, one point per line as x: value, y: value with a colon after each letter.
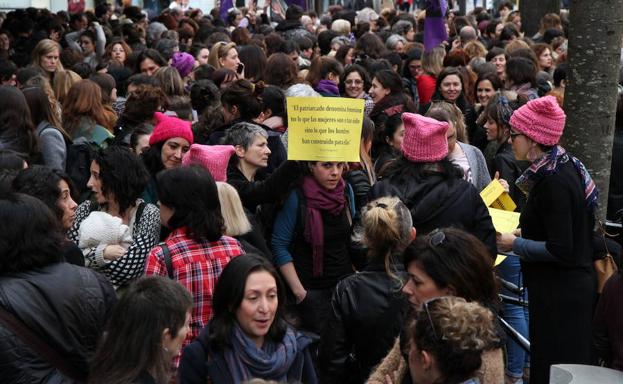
x: 245, y: 170
x: 148, y: 62
x: 449, y: 262
x: 498, y: 113
x: 117, y: 51
x: 169, y: 141
x: 117, y: 179
x: 84, y: 114
x: 54, y: 188
x: 249, y: 336
x: 311, y: 237
x: 554, y: 243
x: 139, y: 108
x: 281, y: 71
x: 449, y: 338
x: 62, y: 83
x: 389, y: 99
x: 46, y: 57
x: 254, y: 60
x: 363, y: 301
x: 225, y: 55
x: 59, y: 304
x: 467, y: 157
x: 411, y: 70
x: 432, y: 65
x: 196, y: 251
x: 486, y: 85
x: 17, y: 131
x: 543, y: 53
x: 52, y: 137
x: 450, y: 87
x: 90, y: 43
x: 324, y: 76
x: 274, y: 113
x: 498, y: 57
x: 390, y: 143
x: 361, y: 176
x: 433, y: 186
x: 353, y: 84
x: 147, y: 327
x: 206, y: 100
x: 521, y: 78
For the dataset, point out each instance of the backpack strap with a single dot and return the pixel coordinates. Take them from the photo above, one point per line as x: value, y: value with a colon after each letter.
x: 39, y: 346
x: 166, y: 254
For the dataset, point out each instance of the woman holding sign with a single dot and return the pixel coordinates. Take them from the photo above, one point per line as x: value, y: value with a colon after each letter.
x: 311, y: 237
x: 555, y: 246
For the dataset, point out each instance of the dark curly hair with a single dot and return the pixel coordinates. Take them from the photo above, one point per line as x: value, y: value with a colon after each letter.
x: 30, y: 235
x: 42, y: 183
x: 123, y: 175
x: 192, y: 193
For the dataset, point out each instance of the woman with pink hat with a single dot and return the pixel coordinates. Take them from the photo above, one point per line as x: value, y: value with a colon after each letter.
x: 168, y: 143
x: 555, y: 239
x: 431, y: 185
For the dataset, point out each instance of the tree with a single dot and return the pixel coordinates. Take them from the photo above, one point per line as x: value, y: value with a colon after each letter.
x: 533, y: 10
x: 595, y: 29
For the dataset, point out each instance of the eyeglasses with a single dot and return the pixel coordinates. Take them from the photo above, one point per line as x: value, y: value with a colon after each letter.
x: 355, y: 82
x: 514, y: 134
x: 430, y: 319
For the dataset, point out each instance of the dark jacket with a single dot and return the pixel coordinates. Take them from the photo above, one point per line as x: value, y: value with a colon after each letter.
x: 367, y: 309
x: 264, y: 189
x: 437, y: 200
x: 66, y: 306
x: 562, y: 290
x: 202, y: 363
x: 510, y: 169
x: 292, y: 30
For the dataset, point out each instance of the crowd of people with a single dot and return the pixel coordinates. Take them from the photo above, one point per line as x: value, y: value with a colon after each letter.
x: 153, y: 229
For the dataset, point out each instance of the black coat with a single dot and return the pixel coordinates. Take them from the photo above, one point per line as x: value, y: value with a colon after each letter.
x: 561, y: 293
x: 437, y: 200
x: 66, y: 306
x: 264, y: 189
x: 367, y: 312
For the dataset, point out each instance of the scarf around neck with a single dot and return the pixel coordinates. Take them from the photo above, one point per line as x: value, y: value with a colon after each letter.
x: 327, y: 87
x: 271, y: 362
x: 549, y: 164
x: 320, y: 199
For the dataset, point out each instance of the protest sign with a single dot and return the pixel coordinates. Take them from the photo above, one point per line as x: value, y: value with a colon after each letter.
x: 324, y: 128
x: 495, y: 196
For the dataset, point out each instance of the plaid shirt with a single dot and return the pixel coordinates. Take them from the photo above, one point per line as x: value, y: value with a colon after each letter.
x: 197, y: 267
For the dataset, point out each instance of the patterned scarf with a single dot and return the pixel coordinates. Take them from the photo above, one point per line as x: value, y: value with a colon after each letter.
x: 549, y: 164
x: 271, y: 362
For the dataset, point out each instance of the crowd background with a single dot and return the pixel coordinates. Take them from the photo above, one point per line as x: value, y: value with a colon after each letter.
x: 153, y: 229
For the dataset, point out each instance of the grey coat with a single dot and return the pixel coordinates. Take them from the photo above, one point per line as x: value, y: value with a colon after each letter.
x: 478, y: 165
x: 53, y: 146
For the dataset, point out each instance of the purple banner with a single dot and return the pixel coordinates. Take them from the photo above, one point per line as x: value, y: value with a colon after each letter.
x: 434, y: 25
x: 225, y: 6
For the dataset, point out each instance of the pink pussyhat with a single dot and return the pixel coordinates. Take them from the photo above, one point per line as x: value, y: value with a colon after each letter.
x: 425, y: 138
x: 214, y: 158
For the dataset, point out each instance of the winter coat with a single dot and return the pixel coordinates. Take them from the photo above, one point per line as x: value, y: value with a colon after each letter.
x: 437, y: 200
x: 367, y: 309
x: 53, y: 147
x: 66, y: 306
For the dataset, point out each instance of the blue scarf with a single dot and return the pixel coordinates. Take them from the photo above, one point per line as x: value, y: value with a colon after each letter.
x: 549, y: 164
x: 271, y: 362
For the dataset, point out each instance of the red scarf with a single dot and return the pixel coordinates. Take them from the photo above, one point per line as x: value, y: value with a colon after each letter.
x: 320, y: 199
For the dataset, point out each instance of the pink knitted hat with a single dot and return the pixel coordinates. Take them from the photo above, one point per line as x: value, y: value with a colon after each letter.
x: 214, y: 158
x: 168, y: 127
x: 425, y: 138
x: 541, y: 119
x: 183, y: 62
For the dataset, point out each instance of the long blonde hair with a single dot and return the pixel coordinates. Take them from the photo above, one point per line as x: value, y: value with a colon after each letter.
x: 236, y: 221
x: 63, y: 81
x: 219, y: 50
